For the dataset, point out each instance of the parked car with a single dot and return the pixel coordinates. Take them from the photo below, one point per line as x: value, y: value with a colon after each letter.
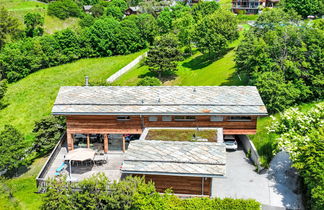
x: 230, y: 142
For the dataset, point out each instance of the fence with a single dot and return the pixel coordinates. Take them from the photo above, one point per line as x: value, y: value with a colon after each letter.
x: 40, y: 179
x: 125, y: 69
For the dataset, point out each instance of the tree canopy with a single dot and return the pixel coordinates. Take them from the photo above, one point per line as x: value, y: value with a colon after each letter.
x: 8, y: 26
x: 305, y: 7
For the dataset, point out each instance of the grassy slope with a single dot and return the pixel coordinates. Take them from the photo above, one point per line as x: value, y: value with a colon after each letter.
x: 263, y: 141
x: 23, y: 189
x: 32, y: 97
x: 196, y: 70
x: 19, y: 8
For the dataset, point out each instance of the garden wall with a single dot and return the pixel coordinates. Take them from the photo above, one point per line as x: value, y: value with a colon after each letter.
x: 249, y: 146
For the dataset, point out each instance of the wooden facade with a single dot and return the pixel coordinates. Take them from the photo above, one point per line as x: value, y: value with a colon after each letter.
x: 109, y: 124
x: 181, y: 184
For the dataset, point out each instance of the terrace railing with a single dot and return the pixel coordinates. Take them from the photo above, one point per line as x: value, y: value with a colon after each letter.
x: 40, y: 179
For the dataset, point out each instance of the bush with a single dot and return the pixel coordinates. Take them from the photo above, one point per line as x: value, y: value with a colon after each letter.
x: 87, y: 21
x: 97, y: 10
x: 149, y: 81
x: 48, y: 132
x: 63, y: 9
x: 3, y: 90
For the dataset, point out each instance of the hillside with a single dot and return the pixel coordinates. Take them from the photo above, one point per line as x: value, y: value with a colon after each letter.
x: 32, y: 97
x: 18, y: 8
x: 196, y: 70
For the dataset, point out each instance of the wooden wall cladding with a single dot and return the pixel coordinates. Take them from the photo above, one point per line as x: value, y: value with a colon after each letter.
x: 109, y: 124
x: 181, y: 184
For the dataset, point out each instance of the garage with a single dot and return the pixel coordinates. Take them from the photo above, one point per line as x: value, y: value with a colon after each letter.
x: 185, y: 167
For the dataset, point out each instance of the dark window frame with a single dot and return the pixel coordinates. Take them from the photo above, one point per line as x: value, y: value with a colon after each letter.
x: 240, y: 118
x: 185, y: 118
x: 123, y: 118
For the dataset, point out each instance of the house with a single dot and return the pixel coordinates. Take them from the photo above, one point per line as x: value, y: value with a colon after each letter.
x: 87, y: 8
x: 132, y: 10
x: 251, y: 6
x: 103, y: 119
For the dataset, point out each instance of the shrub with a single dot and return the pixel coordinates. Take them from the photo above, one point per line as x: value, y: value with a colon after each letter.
x: 97, y: 10
x: 3, y: 90
x: 63, y: 9
x: 48, y: 132
x: 87, y: 21
x: 149, y: 81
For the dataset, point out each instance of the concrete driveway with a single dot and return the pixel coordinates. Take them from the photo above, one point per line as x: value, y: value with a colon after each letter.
x: 242, y: 181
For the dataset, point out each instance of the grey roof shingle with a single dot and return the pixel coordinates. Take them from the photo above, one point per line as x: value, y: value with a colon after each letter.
x: 159, y: 100
x: 175, y: 157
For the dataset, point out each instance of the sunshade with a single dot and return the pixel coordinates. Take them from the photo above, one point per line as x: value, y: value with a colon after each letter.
x: 80, y: 154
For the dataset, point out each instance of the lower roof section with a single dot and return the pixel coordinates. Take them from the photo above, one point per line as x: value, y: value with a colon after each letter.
x: 176, y: 158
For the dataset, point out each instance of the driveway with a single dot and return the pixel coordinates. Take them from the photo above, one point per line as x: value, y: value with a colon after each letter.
x: 242, y: 181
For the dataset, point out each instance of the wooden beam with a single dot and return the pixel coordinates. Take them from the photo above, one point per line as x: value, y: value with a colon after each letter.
x: 124, y: 146
x: 70, y: 141
x: 105, y: 143
x: 88, y: 140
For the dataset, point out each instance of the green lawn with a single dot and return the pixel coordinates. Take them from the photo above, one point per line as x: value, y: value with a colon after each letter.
x: 22, y: 189
x: 180, y: 134
x: 196, y: 70
x: 32, y: 97
x: 265, y: 142
x: 19, y: 8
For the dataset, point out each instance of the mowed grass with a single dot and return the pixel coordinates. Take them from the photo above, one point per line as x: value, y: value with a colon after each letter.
x: 32, y: 98
x: 196, y: 70
x: 19, y: 8
x: 22, y: 189
x: 181, y: 135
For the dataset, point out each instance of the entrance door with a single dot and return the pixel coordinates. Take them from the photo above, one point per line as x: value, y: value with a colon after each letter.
x: 115, y: 142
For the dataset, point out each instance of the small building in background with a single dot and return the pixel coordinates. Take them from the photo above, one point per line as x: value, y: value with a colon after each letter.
x: 132, y: 11
x: 251, y: 6
x: 87, y: 8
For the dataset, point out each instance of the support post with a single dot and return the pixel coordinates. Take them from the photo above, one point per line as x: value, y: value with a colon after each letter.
x: 105, y: 143
x: 70, y: 141
x: 124, y: 146
x: 88, y: 140
x: 202, y: 185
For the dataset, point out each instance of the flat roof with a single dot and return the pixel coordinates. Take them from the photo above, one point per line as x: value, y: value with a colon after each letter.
x: 159, y: 100
x: 202, y: 159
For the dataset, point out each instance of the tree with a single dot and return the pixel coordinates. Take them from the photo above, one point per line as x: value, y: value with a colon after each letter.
x: 87, y: 21
x: 214, y: 32
x: 149, y: 81
x: 121, y: 4
x: 8, y: 26
x: 3, y: 90
x: 97, y: 10
x: 13, y: 149
x: 63, y: 9
x: 48, y: 132
x: 164, y: 55
x: 164, y: 21
x: 115, y: 12
x: 304, y: 7
x: 184, y: 28
x: 34, y: 24
x: 204, y: 8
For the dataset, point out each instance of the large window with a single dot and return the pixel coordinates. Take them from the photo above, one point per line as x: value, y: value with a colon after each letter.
x: 166, y: 118
x: 123, y: 118
x: 184, y: 118
x: 239, y: 118
x: 153, y: 118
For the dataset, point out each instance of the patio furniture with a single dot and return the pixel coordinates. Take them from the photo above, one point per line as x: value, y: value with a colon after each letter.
x: 99, y: 159
x: 79, y: 155
x: 59, y: 169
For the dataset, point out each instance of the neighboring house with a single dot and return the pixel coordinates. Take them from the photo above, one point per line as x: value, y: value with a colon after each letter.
x: 132, y: 10
x: 101, y: 118
x: 251, y: 6
x: 87, y: 8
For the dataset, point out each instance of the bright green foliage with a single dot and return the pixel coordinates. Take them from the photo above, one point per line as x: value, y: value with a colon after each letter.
x: 164, y: 55
x: 115, y: 12
x: 284, y: 60
x: 97, y: 10
x: 214, y: 32
x: 121, y: 4
x: 87, y: 21
x: 301, y: 135
x: 48, y: 132
x: 203, y: 9
x: 184, y: 28
x: 305, y: 7
x: 8, y: 26
x: 12, y: 149
x: 63, y: 9
x: 165, y: 21
x: 3, y: 90
x: 34, y: 24
x: 130, y: 193
x: 149, y: 81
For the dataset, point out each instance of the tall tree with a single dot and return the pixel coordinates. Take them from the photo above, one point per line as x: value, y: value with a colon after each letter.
x: 184, y: 28
x: 214, y: 32
x: 305, y: 7
x: 164, y: 55
x: 34, y: 24
x: 8, y: 25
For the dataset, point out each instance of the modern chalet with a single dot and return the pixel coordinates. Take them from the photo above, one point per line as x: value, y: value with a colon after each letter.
x: 103, y: 123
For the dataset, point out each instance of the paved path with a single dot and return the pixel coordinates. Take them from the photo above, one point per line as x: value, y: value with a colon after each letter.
x: 242, y: 181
